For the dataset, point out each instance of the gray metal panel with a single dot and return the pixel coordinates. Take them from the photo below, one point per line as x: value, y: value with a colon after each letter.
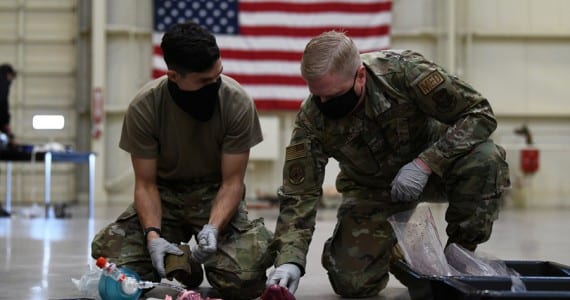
x: 39, y: 39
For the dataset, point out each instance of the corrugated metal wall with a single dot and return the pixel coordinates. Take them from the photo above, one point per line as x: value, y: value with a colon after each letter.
x: 39, y: 38
x: 516, y: 52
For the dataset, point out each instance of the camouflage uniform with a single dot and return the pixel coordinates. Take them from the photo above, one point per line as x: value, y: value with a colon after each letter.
x: 188, y: 154
x: 413, y: 108
x: 237, y: 270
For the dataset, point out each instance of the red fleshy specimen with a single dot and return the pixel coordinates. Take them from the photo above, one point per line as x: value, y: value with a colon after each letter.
x: 276, y: 292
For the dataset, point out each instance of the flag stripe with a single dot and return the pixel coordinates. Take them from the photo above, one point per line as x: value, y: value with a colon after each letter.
x: 312, y: 31
x: 330, y: 20
x: 314, y: 7
x: 287, y: 93
x: 265, y: 79
x: 314, y: 1
x: 276, y: 104
x: 261, y: 55
x: 251, y: 67
x: 156, y: 73
x: 293, y: 44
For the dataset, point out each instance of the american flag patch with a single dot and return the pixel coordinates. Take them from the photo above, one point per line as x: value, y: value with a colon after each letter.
x: 295, y: 151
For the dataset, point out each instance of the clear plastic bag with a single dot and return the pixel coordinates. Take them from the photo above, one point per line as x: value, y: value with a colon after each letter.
x: 419, y: 241
x: 481, y: 264
x: 88, y: 284
x: 469, y: 263
x: 422, y: 249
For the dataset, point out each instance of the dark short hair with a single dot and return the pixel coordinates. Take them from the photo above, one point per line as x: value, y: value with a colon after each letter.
x: 7, y: 69
x: 188, y: 47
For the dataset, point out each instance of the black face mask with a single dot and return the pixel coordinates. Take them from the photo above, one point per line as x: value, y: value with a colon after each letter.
x: 199, y: 104
x: 340, y: 106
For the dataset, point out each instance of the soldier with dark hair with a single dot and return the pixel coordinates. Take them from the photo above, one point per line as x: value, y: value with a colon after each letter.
x: 7, y: 74
x: 189, y: 134
x: 399, y: 125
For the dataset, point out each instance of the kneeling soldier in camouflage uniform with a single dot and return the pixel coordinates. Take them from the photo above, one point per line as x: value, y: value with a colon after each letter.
x: 399, y: 126
x: 189, y: 135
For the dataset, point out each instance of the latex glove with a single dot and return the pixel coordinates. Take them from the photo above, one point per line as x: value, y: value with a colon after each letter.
x: 158, y: 248
x: 409, y: 182
x: 207, y: 243
x: 286, y: 275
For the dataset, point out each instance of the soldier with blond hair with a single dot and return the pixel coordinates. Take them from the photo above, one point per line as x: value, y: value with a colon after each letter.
x: 400, y: 126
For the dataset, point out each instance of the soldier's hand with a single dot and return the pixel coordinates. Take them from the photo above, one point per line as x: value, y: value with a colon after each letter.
x: 410, y: 182
x: 158, y: 248
x: 207, y: 243
x: 286, y: 275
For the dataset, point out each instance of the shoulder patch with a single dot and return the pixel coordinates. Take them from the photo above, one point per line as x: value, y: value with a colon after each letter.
x: 295, y: 151
x: 433, y: 80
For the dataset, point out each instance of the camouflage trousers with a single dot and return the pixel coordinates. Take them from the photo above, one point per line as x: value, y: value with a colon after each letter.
x: 357, y: 256
x: 237, y: 270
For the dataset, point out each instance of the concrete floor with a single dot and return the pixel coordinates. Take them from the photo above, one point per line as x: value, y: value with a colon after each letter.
x: 39, y: 257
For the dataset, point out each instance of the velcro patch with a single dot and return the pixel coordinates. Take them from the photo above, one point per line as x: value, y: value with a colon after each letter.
x: 296, y: 173
x: 295, y: 151
x: 433, y: 80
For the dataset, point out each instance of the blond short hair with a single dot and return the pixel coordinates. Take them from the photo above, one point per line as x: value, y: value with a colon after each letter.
x: 330, y: 52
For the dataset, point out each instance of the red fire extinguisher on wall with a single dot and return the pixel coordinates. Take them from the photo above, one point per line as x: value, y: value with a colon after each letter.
x: 530, y: 154
x: 529, y: 160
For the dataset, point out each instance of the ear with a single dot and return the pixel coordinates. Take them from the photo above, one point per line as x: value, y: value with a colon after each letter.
x: 361, y: 75
x: 172, y: 75
x: 361, y: 72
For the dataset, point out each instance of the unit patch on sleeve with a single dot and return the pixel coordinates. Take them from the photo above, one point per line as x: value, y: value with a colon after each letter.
x: 296, y: 173
x: 433, y: 80
x: 295, y: 151
x: 445, y: 102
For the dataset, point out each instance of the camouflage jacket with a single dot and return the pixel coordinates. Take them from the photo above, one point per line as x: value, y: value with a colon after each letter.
x: 413, y: 108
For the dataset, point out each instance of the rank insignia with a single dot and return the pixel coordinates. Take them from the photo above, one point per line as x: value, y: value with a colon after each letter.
x: 433, y: 80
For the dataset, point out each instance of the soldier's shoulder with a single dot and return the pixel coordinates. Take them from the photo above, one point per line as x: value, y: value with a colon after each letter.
x: 392, y: 54
x: 150, y: 92
x: 309, y: 113
x: 388, y: 61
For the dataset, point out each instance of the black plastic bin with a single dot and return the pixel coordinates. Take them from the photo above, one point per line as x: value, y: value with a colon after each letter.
x: 543, y: 280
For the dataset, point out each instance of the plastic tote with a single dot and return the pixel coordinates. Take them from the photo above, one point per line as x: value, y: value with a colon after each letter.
x: 543, y: 280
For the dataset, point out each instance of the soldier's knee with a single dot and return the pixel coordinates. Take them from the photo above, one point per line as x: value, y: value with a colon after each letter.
x: 366, y: 279
x: 350, y: 285
x: 486, y: 153
x: 234, y: 285
x: 477, y: 225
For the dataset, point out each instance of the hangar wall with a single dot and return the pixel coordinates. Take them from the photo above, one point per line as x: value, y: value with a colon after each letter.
x: 515, y: 52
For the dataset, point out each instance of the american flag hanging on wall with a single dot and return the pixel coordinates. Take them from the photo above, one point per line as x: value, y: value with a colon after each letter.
x: 262, y: 42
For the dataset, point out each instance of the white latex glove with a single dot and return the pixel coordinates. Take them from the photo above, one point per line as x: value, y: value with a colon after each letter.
x: 207, y: 243
x: 286, y: 275
x: 409, y: 182
x: 158, y: 248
